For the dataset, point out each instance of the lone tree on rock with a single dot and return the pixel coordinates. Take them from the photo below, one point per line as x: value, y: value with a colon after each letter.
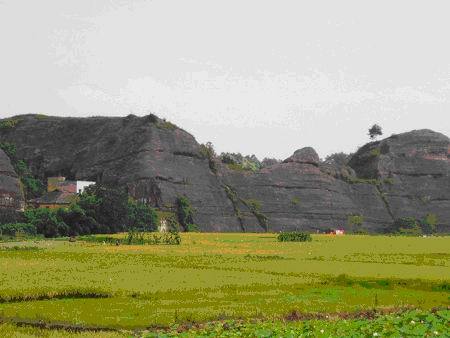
x: 375, y: 131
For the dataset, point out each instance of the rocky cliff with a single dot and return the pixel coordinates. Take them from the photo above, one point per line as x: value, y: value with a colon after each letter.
x: 404, y: 175
x: 11, y: 195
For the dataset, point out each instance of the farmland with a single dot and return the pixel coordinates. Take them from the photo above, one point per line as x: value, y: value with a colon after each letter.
x: 218, y: 278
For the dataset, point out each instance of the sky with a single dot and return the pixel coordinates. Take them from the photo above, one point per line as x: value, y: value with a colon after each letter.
x: 255, y: 76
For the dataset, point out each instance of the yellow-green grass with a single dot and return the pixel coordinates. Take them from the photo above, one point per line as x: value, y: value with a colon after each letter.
x: 211, y: 276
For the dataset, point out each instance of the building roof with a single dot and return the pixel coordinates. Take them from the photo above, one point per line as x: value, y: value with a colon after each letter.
x: 55, y: 197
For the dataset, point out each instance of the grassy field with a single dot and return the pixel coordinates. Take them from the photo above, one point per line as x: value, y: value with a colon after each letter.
x: 211, y: 277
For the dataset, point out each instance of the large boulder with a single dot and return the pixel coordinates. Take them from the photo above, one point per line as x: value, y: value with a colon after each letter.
x: 414, y: 171
x: 305, y: 155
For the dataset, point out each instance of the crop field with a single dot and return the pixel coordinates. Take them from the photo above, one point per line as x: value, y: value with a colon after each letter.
x: 226, y: 284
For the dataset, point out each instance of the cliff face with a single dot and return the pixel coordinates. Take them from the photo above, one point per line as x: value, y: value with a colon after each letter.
x: 158, y: 161
x: 417, y: 166
x: 11, y: 196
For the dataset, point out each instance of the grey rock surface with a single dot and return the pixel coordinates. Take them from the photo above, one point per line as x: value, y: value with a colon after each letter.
x: 404, y: 175
x: 11, y: 196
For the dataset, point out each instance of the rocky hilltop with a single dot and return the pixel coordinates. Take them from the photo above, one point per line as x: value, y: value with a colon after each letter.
x: 401, y: 176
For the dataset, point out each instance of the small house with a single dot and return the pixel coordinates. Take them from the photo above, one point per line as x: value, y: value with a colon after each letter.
x: 60, y: 193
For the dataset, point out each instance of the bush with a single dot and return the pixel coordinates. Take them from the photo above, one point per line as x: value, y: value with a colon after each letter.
x: 9, y: 149
x: 413, y: 226
x: 185, y: 212
x: 294, y: 236
x: 407, y: 226
x: 141, y: 217
x: 78, y: 222
x: 208, y: 152
x: 375, y: 152
x: 9, y: 123
x: 12, y: 229
x: 47, y: 222
x: 429, y: 223
x: 235, y: 161
x: 355, y: 220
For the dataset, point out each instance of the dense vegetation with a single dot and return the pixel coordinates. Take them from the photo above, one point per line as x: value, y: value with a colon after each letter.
x: 99, y: 209
x: 370, y: 324
x: 33, y: 187
x: 185, y: 213
x: 294, y: 236
x: 414, y: 226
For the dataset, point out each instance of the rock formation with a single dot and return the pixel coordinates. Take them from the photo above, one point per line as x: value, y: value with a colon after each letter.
x: 403, y: 175
x: 11, y: 196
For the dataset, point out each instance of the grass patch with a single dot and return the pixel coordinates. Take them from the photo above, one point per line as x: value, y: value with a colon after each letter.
x: 64, y: 294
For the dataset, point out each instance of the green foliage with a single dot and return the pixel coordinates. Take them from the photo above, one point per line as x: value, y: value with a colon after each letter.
x: 9, y: 149
x: 185, y: 213
x: 9, y: 123
x: 255, y: 208
x: 339, y: 159
x: 407, y: 226
x: 78, y: 222
x: 355, y: 220
x: 13, y: 229
x: 429, y: 223
x: 170, y: 220
x: 369, y: 323
x: 375, y: 131
x: 141, y: 217
x: 107, y: 205
x: 208, y: 152
x: 294, y: 236
x: 46, y: 222
x: 137, y: 238
x: 41, y: 117
x: 388, y: 181
x: 235, y: 161
x: 166, y: 125
x: 413, y: 226
x: 193, y: 228
x: 375, y: 152
x: 33, y: 187
x: 253, y: 204
x: 295, y: 201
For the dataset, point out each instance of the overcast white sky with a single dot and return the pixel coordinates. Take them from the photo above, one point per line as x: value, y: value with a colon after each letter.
x: 258, y: 77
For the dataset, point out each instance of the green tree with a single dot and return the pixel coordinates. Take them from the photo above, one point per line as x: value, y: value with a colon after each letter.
x: 141, y: 217
x: 107, y: 205
x: 78, y: 222
x: 185, y: 213
x: 47, y: 222
x: 375, y: 131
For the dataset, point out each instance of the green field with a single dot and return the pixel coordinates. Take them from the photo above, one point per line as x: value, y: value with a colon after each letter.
x: 215, y: 277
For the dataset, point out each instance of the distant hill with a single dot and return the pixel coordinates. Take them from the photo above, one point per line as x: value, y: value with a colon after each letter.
x: 405, y: 175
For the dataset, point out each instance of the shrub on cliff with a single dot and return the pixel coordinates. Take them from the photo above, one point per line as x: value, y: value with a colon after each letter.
x: 185, y: 214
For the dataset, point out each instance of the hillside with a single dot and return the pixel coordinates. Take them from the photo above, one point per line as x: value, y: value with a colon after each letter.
x: 401, y: 176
